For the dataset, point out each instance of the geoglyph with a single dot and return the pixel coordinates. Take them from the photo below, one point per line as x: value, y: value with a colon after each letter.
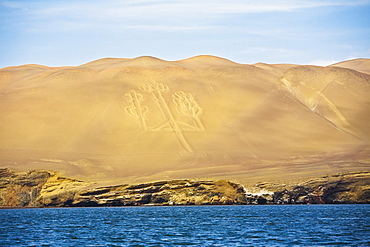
x: 185, y: 105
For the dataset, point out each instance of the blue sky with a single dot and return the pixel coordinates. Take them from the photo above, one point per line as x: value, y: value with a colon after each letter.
x: 73, y: 32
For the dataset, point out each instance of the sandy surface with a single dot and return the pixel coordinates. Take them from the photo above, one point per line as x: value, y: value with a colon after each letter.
x: 145, y: 119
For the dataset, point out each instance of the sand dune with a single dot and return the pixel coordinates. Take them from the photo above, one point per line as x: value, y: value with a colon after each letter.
x: 361, y: 65
x: 146, y: 119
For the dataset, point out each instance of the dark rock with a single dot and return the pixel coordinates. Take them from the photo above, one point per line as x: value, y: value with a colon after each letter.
x: 95, y: 192
x: 261, y: 200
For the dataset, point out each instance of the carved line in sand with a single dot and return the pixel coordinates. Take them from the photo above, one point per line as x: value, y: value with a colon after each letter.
x: 319, y: 100
x: 185, y: 105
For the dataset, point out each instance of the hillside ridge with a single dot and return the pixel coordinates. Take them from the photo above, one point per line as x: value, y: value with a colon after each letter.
x: 147, y: 119
x: 206, y: 59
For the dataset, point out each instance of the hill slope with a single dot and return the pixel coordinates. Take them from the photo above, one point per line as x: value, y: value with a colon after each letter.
x: 147, y: 119
x: 361, y: 65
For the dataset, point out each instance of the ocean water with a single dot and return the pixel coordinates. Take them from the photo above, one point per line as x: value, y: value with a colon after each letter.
x: 270, y: 225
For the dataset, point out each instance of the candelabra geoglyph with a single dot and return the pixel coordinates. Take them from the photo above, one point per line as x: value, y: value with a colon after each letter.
x: 186, y: 105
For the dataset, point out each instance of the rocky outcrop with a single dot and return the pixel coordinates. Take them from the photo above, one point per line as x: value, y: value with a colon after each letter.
x: 35, y: 188
x: 49, y: 189
x: 336, y: 188
x: 21, y: 189
x: 174, y: 192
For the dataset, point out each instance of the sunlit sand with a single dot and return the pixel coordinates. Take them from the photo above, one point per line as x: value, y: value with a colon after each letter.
x: 146, y: 119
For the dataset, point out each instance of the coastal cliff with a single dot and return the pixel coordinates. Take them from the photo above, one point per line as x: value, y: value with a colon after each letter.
x: 343, y: 188
x: 49, y: 189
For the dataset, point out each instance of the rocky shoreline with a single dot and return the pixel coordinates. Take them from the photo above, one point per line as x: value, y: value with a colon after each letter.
x: 49, y: 189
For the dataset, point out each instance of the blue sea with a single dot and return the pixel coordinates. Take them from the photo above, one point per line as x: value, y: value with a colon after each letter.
x: 259, y: 225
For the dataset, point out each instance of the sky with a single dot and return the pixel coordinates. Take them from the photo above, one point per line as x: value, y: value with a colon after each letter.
x: 74, y: 32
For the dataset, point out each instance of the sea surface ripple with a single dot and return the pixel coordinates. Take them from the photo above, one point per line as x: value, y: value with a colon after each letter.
x: 270, y: 225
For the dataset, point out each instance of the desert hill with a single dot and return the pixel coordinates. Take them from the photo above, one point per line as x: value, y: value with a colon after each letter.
x: 361, y: 65
x: 146, y: 119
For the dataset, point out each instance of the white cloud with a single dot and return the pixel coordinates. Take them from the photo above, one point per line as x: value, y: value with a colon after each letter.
x: 189, y: 10
x: 180, y: 15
